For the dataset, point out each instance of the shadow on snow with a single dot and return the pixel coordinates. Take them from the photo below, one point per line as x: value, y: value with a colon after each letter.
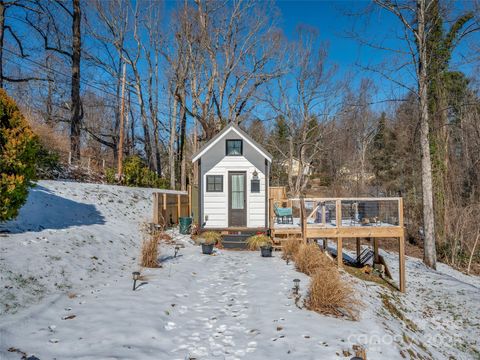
x: 45, y: 210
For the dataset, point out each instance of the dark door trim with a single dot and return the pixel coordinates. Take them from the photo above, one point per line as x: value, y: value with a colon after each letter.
x: 237, y: 217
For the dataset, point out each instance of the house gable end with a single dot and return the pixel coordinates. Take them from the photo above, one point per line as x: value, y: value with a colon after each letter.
x: 224, y: 134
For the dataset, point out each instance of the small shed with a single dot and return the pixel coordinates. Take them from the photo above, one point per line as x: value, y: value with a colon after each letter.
x: 233, y: 173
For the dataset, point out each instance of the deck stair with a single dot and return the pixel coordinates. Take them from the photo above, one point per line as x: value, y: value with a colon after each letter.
x: 279, y: 238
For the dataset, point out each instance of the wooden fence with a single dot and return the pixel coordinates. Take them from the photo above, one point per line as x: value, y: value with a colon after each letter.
x: 170, y: 205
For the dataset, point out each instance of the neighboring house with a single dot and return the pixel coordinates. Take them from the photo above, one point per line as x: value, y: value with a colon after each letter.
x: 233, y: 172
x: 355, y: 176
x: 307, y: 169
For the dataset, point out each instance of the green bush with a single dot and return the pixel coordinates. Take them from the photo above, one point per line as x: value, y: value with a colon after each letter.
x: 110, y: 177
x: 137, y: 173
x: 18, y: 151
x: 48, y: 163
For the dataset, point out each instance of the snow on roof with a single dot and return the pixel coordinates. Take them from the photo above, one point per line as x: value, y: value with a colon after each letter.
x: 229, y: 128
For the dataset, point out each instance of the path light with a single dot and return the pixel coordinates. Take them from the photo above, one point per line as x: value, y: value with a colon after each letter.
x: 177, y: 248
x: 296, y: 286
x: 135, y: 276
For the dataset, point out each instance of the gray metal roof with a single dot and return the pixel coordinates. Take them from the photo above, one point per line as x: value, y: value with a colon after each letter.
x: 222, y: 132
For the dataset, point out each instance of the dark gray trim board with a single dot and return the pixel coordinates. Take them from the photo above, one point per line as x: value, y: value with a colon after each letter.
x: 231, y: 212
x: 200, y: 194
x: 267, y: 180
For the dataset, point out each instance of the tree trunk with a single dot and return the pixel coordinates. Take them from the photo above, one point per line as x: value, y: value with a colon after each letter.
x: 183, y: 134
x: 76, y: 116
x: 2, y: 34
x: 430, y: 257
x: 194, y: 151
x: 49, y: 100
x: 171, y: 145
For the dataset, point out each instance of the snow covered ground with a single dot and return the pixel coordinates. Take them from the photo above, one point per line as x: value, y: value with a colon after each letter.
x: 65, y: 293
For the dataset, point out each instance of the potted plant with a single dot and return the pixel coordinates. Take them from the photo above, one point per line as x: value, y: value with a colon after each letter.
x: 262, y: 242
x: 208, y: 240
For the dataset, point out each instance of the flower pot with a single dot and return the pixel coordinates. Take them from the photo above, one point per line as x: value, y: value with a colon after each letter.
x: 266, y: 251
x: 207, y: 249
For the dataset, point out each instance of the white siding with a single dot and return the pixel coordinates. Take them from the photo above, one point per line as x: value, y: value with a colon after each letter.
x: 215, y: 204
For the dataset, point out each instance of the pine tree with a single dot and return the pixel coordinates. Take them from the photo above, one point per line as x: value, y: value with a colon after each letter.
x: 18, y: 149
x: 382, y: 156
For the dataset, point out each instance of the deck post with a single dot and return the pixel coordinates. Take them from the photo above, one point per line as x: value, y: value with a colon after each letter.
x: 400, y: 213
x: 401, y: 259
x: 339, y: 252
x: 358, y: 249
x: 271, y: 213
x: 338, y: 212
x: 324, y: 214
x: 375, y: 251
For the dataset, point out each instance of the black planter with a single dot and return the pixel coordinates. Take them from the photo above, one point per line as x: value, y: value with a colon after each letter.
x: 266, y: 251
x: 207, y: 249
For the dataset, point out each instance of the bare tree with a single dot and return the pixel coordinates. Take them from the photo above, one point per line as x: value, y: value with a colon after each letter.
x: 77, y: 112
x: 234, y: 50
x: 132, y: 57
x: 305, y: 102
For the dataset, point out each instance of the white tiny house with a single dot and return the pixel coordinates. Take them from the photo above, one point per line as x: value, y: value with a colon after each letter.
x: 233, y: 172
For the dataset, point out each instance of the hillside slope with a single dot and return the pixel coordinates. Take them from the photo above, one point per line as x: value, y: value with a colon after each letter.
x: 68, y: 237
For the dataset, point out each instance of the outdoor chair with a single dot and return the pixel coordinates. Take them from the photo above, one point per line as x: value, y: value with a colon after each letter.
x: 283, y: 215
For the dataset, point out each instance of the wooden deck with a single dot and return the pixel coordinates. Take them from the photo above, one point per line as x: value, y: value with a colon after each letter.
x: 370, y: 218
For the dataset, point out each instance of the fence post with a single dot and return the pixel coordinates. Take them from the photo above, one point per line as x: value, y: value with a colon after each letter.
x: 156, y: 220
x: 189, y: 190
x: 179, y: 210
x: 164, y: 209
x: 303, y: 220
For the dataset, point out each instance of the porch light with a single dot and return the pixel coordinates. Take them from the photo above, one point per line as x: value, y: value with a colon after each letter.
x: 177, y: 248
x: 255, y: 175
x: 296, y: 286
x: 135, y: 276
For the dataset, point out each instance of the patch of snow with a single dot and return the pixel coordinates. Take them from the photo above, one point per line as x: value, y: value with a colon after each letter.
x: 71, y: 253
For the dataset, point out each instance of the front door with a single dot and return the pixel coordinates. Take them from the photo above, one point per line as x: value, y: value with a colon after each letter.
x: 237, y: 199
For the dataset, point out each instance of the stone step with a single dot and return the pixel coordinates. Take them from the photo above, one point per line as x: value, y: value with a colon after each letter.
x: 234, y: 244
x: 235, y: 241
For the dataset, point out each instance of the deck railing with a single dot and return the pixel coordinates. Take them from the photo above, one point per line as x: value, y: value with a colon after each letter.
x: 341, y: 212
x: 344, y: 218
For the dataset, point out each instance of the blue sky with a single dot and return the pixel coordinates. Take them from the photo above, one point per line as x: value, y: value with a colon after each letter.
x: 334, y: 23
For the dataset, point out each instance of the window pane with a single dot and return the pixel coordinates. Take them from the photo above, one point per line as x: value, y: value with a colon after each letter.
x: 238, y: 191
x: 234, y: 147
x: 215, y: 183
x: 255, y: 186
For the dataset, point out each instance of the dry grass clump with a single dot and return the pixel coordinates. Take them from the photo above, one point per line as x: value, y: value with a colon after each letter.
x: 256, y: 241
x: 309, y: 258
x: 290, y: 248
x: 331, y: 295
x: 150, y: 252
x: 209, y: 238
